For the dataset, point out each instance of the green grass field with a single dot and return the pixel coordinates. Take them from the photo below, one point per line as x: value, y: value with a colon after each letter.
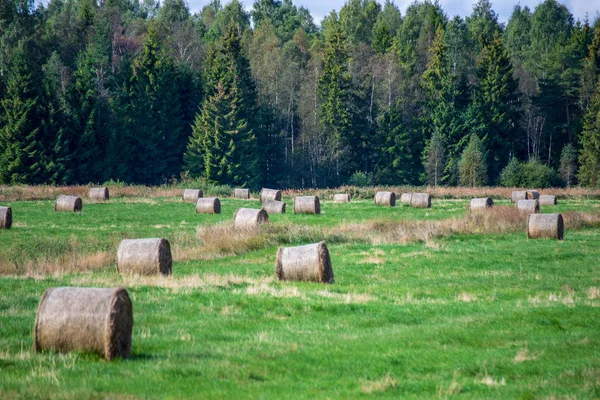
x: 480, y: 315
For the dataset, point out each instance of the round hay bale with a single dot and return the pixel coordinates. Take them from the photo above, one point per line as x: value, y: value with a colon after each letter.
x: 241, y: 193
x: 208, y: 205
x: 270, y: 194
x: 5, y: 217
x: 192, y: 195
x: 405, y: 198
x: 84, y: 319
x: 481, y: 204
x: 249, y: 218
x: 341, y: 198
x: 99, y: 194
x: 144, y: 257
x: 528, y: 206
x: 532, y: 195
x: 385, y: 199
x: 68, y: 203
x: 548, y: 200
x: 274, y: 207
x: 518, y: 195
x: 304, y: 263
x: 307, y: 205
x: 549, y: 226
x: 420, y: 200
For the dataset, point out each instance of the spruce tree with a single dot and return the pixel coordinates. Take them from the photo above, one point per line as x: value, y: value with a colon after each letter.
x: 589, y: 155
x: 472, y: 166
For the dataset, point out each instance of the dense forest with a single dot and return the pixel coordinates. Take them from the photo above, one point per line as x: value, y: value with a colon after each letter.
x: 139, y: 92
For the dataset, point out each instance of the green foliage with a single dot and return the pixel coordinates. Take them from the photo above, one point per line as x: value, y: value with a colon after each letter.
x: 472, y: 165
x: 568, y: 164
x: 435, y: 159
x: 359, y: 179
x: 511, y: 174
x: 534, y: 174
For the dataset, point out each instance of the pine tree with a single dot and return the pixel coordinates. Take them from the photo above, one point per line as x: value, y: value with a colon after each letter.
x: 472, y: 166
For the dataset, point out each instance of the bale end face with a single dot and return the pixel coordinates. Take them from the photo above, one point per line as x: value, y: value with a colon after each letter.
x: 545, y: 226
x: 5, y: 217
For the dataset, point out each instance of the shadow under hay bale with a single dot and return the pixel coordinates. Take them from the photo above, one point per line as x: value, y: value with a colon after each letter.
x: 548, y: 200
x: 420, y: 200
x: 100, y: 194
x: 68, y: 203
x: 481, y: 204
x: 208, y: 205
x: 385, y: 199
x: 528, y: 206
x: 307, y: 205
x: 150, y: 256
x: 304, y: 263
x: 192, y: 195
x: 274, y: 207
x: 341, y: 198
x: 550, y: 226
x: 84, y: 319
x: 250, y: 218
x: 270, y: 194
x: 405, y: 198
x: 5, y: 217
x: 241, y: 194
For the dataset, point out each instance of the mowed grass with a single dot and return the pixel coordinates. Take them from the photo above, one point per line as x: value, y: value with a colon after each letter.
x: 473, y: 316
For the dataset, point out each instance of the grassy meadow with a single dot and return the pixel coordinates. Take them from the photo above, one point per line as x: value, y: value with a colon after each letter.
x: 433, y: 303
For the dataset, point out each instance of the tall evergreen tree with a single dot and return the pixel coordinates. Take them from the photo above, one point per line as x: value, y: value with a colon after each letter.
x: 472, y: 166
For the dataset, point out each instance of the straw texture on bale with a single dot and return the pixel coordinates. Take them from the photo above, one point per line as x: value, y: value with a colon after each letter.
x: 307, y: 205
x: 84, y: 319
x: 304, y: 263
x: 274, y: 207
x: 406, y: 198
x: 249, y: 218
x: 192, y: 195
x: 341, y: 198
x: 518, y: 195
x: 270, y: 194
x: 241, y: 193
x: 68, y: 203
x: 5, y: 217
x: 145, y: 257
x: 548, y: 200
x: 99, y: 193
x: 420, y: 200
x: 481, y: 204
x: 549, y: 226
x: 528, y: 206
x: 532, y: 195
x: 208, y: 205
x: 385, y: 199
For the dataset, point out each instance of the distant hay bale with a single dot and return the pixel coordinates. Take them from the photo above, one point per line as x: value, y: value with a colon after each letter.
x: 68, y: 203
x: 518, y: 195
x: 420, y: 200
x: 481, y: 204
x: 307, y: 205
x: 549, y: 226
x: 548, y: 200
x: 241, y: 194
x: 274, y: 207
x: 145, y: 257
x: 99, y: 194
x: 192, y: 195
x: 5, y: 217
x: 532, y: 195
x: 304, y: 263
x: 84, y: 319
x: 405, y: 198
x: 341, y: 198
x: 270, y: 194
x: 385, y: 199
x: 250, y: 218
x: 208, y: 205
x: 528, y: 206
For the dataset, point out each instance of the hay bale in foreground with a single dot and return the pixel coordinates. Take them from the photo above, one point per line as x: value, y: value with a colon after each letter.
x: 304, y: 263
x: 532, y: 195
x: 241, y: 194
x: 307, y: 205
x: 249, y: 218
x: 270, y: 194
x: 145, y: 257
x: 341, y: 197
x: 274, y: 207
x: 420, y: 200
x: 68, y: 203
x: 385, y: 199
x: 405, y: 198
x: 547, y: 200
x: 84, y: 319
x: 518, y: 195
x: 528, y: 206
x: 99, y: 194
x: 5, y: 217
x: 192, y: 195
x: 481, y: 204
x: 208, y: 205
x: 549, y: 226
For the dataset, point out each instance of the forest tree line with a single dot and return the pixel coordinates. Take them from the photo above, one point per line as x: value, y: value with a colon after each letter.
x: 139, y: 92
